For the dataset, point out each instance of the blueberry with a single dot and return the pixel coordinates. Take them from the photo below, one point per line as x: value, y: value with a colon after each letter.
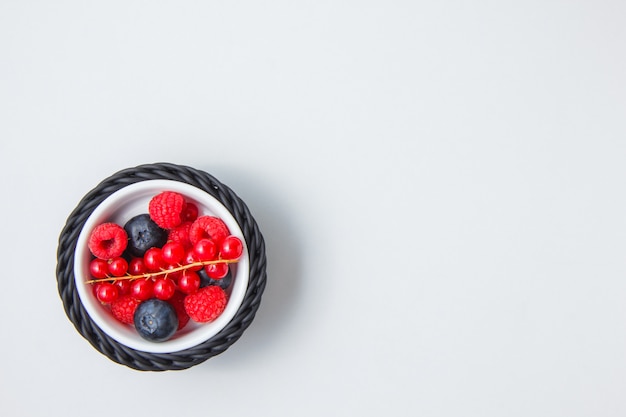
x: 156, y: 320
x: 223, y: 283
x: 143, y: 234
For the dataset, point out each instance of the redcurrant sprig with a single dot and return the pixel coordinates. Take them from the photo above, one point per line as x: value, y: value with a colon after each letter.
x: 163, y: 272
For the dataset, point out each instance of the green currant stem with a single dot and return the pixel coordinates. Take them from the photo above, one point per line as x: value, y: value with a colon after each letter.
x: 164, y: 271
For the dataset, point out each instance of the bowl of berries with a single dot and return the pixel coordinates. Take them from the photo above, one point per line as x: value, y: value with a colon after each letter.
x: 161, y: 267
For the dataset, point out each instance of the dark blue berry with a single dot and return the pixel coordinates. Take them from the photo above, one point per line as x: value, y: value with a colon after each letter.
x: 156, y: 320
x: 143, y: 234
x: 223, y: 283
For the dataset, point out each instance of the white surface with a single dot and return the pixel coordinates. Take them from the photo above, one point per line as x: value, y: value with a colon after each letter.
x: 119, y: 208
x: 441, y: 186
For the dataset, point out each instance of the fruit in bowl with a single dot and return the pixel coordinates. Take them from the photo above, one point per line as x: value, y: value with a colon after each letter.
x: 161, y: 266
x: 164, y: 250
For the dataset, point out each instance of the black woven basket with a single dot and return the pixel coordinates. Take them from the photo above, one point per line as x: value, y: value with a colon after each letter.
x: 187, y: 358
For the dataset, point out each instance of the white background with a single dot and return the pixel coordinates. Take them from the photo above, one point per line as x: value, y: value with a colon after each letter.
x: 441, y: 186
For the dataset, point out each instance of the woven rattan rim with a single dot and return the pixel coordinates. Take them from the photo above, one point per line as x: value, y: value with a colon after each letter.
x: 187, y: 358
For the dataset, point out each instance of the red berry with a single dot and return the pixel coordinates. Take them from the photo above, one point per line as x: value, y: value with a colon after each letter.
x: 206, y: 304
x: 107, y: 240
x: 163, y: 288
x: 231, y: 248
x: 168, y: 268
x: 153, y: 259
x: 137, y: 267
x: 189, y: 282
x: 107, y: 292
x: 141, y: 289
x: 166, y: 208
x: 123, y: 285
x: 95, y: 288
x: 99, y: 268
x: 190, y: 258
x: 124, y: 308
x: 190, y: 212
x: 173, y: 253
x: 180, y: 234
x: 174, y: 276
x: 217, y: 271
x: 118, y: 266
x: 178, y: 302
x: 205, y: 250
x: 208, y: 227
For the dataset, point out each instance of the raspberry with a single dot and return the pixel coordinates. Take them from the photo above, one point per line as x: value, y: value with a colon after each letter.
x: 181, y: 234
x: 124, y: 308
x: 178, y: 302
x: 208, y: 227
x: 107, y: 241
x: 166, y: 209
x: 206, y: 304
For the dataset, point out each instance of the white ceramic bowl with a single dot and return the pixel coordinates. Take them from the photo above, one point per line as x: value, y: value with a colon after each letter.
x: 120, y: 207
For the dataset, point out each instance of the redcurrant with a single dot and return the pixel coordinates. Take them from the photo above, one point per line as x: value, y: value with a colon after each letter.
x: 217, y: 271
x: 123, y: 285
x: 96, y: 287
x: 136, y: 266
x: 99, y: 268
x: 231, y: 248
x: 164, y: 288
x: 153, y: 259
x: 190, y: 212
x: 205, y: 250
x: 189, y: 282
x: 107, y: 292
x: 118, y: 266
x: 141, y: 289
x: 190, y: 258
x: 173, y: 253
